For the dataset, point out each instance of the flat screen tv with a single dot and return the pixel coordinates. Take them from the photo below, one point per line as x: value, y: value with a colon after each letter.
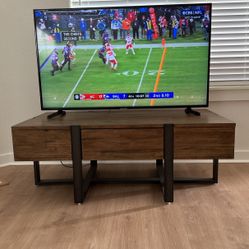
x: 132, y: 57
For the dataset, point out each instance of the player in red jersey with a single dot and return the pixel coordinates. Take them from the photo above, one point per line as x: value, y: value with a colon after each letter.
x: 108, y: 46
x: 129, y: 44
x: 110, y: 57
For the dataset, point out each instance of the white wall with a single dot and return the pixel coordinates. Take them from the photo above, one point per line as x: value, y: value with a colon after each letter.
x: 233, y: 103
x: 19, y: 93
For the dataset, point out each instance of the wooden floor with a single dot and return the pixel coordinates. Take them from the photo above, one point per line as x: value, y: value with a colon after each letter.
x: 125, y: 216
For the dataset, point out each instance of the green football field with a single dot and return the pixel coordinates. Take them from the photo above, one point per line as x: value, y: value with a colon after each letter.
x: 184, y: 72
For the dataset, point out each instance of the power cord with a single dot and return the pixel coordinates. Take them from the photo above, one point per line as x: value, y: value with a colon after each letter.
x: 66, y: 165
x: 71, y: 166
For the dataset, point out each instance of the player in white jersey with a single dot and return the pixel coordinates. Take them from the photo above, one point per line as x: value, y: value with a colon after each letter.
x: 129, y: 44
x: 110, y: 57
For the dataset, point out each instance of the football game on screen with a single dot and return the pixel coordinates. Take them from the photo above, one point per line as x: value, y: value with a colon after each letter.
x: 123, y: 57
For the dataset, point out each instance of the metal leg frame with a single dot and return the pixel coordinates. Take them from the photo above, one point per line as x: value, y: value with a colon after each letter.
x: 81, y: 184
x: 211, y: 180
x: 40, y: 182
x: 165, y: 169
x: 79, y: 195
x: 77, y: 163
x: 37, y: 173
x: 215, y: 170
x: 168, y: 163
x: 128, y: 180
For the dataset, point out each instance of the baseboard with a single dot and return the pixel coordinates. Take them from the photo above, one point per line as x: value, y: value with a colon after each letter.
x: 241, y: 156
x: 6, y: 159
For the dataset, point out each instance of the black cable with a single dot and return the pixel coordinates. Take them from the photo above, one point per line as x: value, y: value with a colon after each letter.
x: 66, y: 165
x: 71, y: 165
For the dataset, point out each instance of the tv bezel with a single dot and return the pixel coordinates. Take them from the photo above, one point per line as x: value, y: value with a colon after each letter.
x: 121, y: 107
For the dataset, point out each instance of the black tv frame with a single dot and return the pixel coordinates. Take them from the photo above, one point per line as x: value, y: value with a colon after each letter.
x: 60, y: 111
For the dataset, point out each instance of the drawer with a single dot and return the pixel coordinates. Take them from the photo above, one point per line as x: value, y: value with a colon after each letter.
x: 204, y: 141
x: 122, y: 144
x: 41, y: 144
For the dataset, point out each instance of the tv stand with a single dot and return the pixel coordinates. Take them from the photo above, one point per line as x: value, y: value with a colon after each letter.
x: 189, y: 110
x: 161, y: 135
x: 55, y: 114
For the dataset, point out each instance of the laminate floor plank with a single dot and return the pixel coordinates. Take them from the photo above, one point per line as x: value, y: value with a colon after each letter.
x: 125, y: 216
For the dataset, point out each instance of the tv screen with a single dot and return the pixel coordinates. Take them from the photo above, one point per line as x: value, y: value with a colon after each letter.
x: 143, y: 56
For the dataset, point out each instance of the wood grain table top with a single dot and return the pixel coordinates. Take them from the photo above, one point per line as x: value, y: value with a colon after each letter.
x: 124, y: 118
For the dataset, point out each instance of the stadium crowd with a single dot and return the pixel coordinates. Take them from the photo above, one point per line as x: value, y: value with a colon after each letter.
x: 141, y: 23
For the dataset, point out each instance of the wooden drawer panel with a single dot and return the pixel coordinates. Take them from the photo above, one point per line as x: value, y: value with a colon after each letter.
x: 191, y: 142
x: 204, y: 142
x: 41, y: 144
x: 118, y: 144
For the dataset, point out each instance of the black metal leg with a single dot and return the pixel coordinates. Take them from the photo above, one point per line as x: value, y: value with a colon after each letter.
x: 89, y: 177
x: 160, y: 171
x: 37, y: 173
x: 94, y: 164
x: 215, y: 170
x: 77, y: 163
x: 159, y: 162
x: 168, y: 194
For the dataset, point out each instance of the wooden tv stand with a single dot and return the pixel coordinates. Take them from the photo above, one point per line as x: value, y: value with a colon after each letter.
x: 163, y: 135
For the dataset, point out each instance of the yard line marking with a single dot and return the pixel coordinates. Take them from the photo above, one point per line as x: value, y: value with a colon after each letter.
x: 142, y: 77
x: 152, y: 101
x: 46, y: 60
x: 77, y: 83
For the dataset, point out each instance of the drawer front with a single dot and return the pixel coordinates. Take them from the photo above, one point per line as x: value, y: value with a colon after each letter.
x: 122, y: 144
x: 204, y: 142
x: 190, y: 141
x: 41, y: 144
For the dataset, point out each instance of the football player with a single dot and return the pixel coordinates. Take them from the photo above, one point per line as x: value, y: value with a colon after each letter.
x: 67, y: 53
x: 108, y: 46
x: 101, y: 54
x: 129, y: 44
x: 110, y: 57
x: 55, y: 62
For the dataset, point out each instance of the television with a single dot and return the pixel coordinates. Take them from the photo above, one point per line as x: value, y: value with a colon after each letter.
x: 133, y: 57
